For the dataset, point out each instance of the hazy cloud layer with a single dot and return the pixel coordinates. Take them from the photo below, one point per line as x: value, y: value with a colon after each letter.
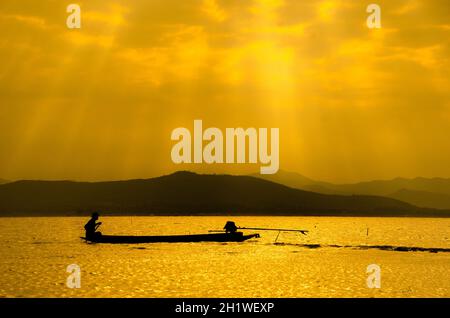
x: 100, y: 102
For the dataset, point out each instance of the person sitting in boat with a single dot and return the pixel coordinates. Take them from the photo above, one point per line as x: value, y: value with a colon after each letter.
x: 92, y: 226
x: 230, y: 227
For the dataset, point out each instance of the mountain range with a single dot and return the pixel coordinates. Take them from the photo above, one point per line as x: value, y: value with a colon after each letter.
x: 187, y: 193
x: 423, y: 192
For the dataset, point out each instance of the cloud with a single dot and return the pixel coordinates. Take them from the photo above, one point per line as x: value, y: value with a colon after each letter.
x: 213, y: 10
x: 343, y: 96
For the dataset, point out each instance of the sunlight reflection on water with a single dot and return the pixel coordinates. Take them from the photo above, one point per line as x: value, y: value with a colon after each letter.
x: 35, y: 252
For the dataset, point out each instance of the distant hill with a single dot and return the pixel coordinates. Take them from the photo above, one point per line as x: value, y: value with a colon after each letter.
x: 290, y: 179
x: 3, y: 181
x: 186, y: 193
x: 423, y: 198
x: 388, y: 187
x: 425, y: 192
x: 298, y: 181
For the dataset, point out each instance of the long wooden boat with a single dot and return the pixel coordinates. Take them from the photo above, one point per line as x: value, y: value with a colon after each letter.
x: 219, y: 237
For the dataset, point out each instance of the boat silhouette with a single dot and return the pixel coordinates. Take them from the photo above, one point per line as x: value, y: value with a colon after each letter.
x: 229, y: 233
x: 216, y: 237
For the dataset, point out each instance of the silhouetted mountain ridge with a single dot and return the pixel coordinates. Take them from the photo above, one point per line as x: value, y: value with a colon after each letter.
x: 434, y: 192
x: 423, y: 198
x: 186, y: 193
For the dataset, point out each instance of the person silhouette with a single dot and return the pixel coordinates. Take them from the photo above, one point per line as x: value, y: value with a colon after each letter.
x: 92, y: 226
x: 230, y: 227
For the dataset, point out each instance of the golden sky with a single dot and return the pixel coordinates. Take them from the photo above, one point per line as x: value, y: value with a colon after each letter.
x: 100, y: 102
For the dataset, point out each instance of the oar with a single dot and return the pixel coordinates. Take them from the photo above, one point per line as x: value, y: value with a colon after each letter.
x: 279, y: 230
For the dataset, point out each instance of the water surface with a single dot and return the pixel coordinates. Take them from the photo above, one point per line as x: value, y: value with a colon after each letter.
x: 331, y: 261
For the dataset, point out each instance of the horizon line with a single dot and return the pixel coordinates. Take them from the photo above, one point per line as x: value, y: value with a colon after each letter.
x: 252, y: 174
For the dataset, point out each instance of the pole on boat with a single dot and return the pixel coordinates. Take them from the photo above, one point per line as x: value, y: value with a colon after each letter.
x: 304, y: 232
x: 279, y: 230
